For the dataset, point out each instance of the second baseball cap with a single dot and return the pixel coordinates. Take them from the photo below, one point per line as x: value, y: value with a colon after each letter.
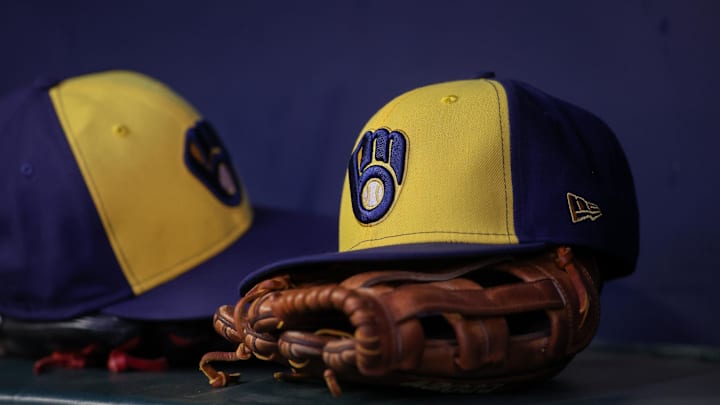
x: 119, y: 197
x: 478, y: 167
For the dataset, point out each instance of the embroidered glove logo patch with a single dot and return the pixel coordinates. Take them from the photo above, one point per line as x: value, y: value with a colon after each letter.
x: 208, y: 160
x: 376, y: 172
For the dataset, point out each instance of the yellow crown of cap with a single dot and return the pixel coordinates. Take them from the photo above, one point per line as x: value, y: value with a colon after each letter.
x: 456, y: 186
x: 127, y: 133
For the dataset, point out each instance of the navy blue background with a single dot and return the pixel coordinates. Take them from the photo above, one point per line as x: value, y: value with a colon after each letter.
x: 289, y: 84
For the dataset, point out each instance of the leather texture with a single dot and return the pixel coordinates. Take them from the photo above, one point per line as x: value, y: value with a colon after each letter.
x: 494, y: 323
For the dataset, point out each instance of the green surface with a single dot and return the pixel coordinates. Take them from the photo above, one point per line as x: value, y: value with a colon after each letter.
x: 600, y: 374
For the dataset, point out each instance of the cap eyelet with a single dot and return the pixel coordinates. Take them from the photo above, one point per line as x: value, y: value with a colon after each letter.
x: 26, y: 169
x: 449, y: 99
x: 120, y: 130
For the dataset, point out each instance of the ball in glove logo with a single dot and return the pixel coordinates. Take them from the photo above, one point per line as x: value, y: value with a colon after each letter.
x: 375, y: 173
x: 208, y: 160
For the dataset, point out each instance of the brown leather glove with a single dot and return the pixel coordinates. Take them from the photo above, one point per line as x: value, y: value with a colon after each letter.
x: 494, y: 323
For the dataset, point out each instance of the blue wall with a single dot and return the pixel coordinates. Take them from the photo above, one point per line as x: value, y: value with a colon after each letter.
x: 290, y: 83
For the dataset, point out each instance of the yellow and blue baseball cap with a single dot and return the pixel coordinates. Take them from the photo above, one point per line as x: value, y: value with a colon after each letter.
x: 119, y: 197
x: 478, y: 167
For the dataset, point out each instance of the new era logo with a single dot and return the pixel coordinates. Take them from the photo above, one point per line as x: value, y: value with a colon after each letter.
x: 582, y: 209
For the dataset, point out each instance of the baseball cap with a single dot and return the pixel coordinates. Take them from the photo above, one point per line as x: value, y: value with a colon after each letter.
x: 476, y: 167
x: 119, y: 197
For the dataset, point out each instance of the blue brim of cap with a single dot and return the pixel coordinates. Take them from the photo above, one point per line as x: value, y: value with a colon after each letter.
x: 274, y: 235
x: 397, y: 256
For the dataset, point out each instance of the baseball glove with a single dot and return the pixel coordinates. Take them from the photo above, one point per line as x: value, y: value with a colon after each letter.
x: 496, y: 323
